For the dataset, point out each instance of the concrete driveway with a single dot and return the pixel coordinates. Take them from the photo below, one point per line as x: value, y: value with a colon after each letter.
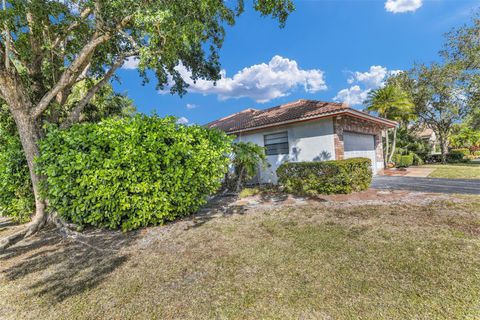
x: 427, y: 184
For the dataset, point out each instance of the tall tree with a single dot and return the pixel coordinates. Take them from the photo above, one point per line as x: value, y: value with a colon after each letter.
x: 462, y: 48
x: 50, y: 46
x: 440, y: 98
x: 394, y: 103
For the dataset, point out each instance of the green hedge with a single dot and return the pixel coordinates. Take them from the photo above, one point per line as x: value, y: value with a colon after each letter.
x: 326, y: 177
x: 463, y: 151
x: 133, y: 172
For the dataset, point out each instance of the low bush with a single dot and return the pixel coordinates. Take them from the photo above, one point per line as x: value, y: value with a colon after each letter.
x: 476, y: 154
x: 405, y: 161
x: 464, y: 151
x: 326, y: 177
x: 455, y: 156
x: 132, y: 172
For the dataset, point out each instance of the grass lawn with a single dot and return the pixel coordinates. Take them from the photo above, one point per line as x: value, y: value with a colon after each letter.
x: 456, y: 171
x: 314, y: 261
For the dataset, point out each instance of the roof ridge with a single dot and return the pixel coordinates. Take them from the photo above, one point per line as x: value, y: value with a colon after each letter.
x: 237, y: 113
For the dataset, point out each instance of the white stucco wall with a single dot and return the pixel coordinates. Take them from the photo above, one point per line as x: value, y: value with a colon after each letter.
x: 308, y: 141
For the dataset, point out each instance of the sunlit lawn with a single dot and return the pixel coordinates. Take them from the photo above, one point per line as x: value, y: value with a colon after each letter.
x: 398, y: 261
x: 456, y: 171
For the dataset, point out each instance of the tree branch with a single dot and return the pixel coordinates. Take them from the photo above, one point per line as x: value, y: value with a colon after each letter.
x: 74, y: 116
x: 85, y: 13
x: 70, y: 75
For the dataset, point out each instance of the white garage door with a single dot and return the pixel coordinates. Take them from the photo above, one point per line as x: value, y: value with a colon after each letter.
x: 360, y: 145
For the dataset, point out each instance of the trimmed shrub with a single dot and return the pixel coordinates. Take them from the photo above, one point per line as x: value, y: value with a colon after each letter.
x: 405, y: 161
x: 326, y: 177
x: 132, y: 172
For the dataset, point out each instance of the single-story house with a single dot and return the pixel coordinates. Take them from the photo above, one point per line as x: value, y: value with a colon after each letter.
x: 427, y: 134
x: 308, y: 130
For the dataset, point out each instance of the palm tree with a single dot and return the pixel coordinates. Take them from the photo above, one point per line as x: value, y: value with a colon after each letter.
x: 394, y: 103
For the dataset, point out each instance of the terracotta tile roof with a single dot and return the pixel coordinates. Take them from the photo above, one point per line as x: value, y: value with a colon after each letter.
x: 251, y: 119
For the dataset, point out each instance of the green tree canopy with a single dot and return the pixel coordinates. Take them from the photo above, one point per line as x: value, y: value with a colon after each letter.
x: 391, y: 102
x: 48, y: 47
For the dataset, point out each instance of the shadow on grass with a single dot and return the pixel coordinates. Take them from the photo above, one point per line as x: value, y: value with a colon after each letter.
x: 57, y: 268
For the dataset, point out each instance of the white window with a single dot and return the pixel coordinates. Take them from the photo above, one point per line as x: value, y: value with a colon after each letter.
x: 276, y: 143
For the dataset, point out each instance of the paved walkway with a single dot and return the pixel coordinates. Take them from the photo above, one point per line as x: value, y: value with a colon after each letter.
x: 421, y: 172
x: 435, y: 185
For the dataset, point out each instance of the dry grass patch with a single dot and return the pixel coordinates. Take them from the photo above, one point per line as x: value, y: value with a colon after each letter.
x: 322, y: 260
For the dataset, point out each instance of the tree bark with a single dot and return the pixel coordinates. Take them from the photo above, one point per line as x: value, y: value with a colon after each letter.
x: 443, y: 147
x: 394, y: 144
x: 239, y: 179
x: 29, y: 138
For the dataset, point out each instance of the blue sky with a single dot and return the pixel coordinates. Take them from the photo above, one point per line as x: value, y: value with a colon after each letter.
x: 329, y: 50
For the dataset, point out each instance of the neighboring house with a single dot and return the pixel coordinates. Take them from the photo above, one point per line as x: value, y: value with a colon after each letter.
x: 307, y: 130
x: 427, y: 134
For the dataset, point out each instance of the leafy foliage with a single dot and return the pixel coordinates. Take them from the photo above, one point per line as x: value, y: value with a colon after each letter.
x: 404, y: 160
x: 247, y: 157
x: 410, y: 144
x: 131, y: 172
x: 16, y: 198
x: 16, y: 194
x: 465, y: 136
x: 391, y: 102
x: 326, y: 177
x: 48, y: 37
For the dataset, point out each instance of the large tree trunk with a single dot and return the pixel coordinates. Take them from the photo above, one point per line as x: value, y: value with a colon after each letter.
x: 443, y: 147
x: 240, y: 179
x: 29, y: 137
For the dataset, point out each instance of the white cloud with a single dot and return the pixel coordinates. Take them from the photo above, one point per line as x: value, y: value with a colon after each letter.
x: 371, y: 79
x: 261, y: 82
x: 400, y: 6
x: 191, y: 106
x: 130, y: 63
x: 362, y: 83
x: 182, y: 120
x: 352, y: 96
